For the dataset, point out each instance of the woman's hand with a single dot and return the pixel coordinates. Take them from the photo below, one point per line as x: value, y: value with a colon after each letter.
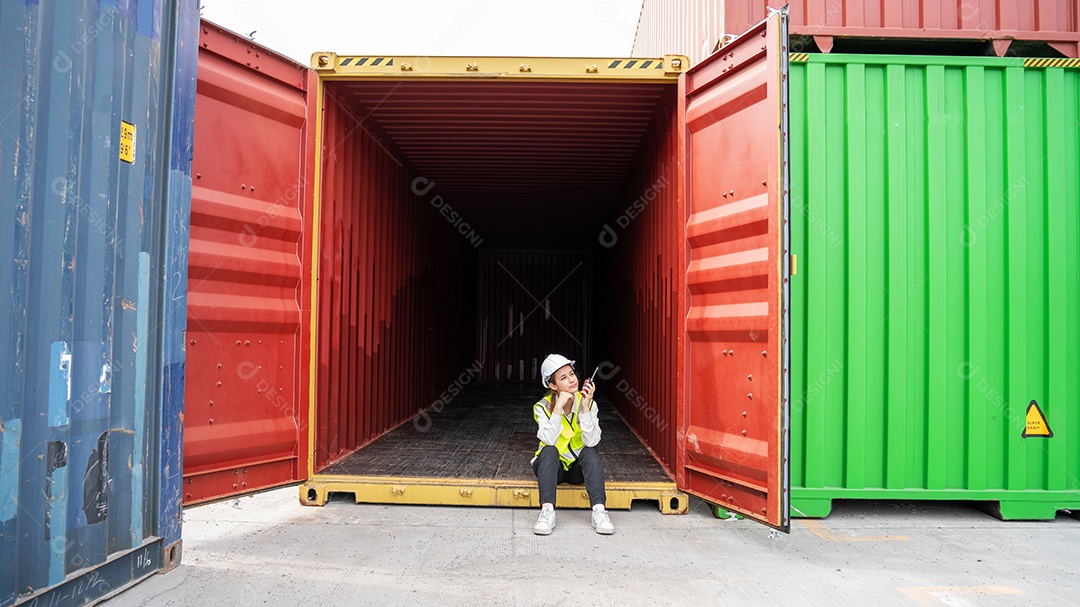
x: 563, y: 402
x: 587, y: 394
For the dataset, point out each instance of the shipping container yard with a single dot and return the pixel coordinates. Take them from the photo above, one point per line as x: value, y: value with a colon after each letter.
x: 809, y: 254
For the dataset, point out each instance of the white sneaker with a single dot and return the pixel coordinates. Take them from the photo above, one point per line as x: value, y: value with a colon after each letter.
x: 600, y: 520
x: 546, y: 522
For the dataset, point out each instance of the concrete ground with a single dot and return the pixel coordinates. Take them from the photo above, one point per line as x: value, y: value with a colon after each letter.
x: 268, y: 550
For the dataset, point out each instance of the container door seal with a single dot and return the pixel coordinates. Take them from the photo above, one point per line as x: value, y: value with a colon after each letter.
x: 249, y: 287
x: 733, y: 421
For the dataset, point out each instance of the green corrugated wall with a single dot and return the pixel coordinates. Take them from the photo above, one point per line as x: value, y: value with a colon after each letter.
x: 934, y: 204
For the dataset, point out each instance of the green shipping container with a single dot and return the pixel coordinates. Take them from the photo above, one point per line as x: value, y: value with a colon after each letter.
x: 934, y: 205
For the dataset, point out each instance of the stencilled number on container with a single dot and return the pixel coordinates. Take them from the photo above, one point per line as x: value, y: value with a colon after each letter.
x: 127, y: 142
x: 144, y: 560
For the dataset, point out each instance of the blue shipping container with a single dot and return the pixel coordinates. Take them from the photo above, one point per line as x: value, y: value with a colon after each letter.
x: 97, y: 105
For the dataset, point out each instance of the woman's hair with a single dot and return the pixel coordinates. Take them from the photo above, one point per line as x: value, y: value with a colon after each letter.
x: 552, y: 392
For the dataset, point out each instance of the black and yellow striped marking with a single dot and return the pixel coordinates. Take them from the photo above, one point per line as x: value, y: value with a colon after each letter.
x: 629, y: 64
x: 799, y: 57
x: 1051, y: 62
x: 370, y: 61
x: 639, y: 69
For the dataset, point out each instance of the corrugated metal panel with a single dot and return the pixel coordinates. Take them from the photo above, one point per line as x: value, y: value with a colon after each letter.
x: 395, y: 290
x: 513, y: 158
x: 530, y: 304
x: 936, y: 224
x: 638, y: 275
x: 249, y: 285
x: 732, y: 426
x: 694, y: 28
x: 95, y: 281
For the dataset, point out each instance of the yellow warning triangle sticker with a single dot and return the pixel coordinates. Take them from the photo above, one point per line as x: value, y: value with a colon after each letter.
x: 1036, y: 423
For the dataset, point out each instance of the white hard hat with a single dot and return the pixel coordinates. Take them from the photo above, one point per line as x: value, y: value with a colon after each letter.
x: 551, y: 364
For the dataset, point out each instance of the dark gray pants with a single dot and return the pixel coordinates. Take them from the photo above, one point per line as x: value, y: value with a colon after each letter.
x: 587, y: 469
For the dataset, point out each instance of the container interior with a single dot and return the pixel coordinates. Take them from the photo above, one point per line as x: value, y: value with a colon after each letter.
x: 470, y: 227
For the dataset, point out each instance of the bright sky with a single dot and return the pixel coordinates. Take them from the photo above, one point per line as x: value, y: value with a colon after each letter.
x: 540, y: 28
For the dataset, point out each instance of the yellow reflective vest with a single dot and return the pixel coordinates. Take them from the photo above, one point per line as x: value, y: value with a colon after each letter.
x: 570, y: 442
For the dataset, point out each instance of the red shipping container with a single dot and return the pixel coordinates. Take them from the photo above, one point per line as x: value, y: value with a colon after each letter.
x: 639, y: 204
x: 696, y: 27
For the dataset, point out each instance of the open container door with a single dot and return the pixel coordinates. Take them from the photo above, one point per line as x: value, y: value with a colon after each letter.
x: 733, y: 418
x: 249, y: 286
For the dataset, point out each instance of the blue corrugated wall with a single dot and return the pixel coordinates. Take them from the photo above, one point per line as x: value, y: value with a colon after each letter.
x: 93, y: 282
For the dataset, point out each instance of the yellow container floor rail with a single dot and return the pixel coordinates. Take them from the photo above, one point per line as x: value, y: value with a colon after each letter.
x: 483, y: 492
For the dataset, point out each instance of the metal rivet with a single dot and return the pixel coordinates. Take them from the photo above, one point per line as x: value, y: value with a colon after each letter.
x: 193, y: 342
x: 744, y: 432
x: 211, y: 420
x: 238, y: 342
x: 749, y: 378
x: 750, y: 395
x: 764, y: 353
x: 219, y: 384
x: 247, y: 342
x: 744, y: 413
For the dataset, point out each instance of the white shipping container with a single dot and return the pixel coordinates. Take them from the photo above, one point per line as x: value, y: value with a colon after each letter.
x: 686, y: 27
